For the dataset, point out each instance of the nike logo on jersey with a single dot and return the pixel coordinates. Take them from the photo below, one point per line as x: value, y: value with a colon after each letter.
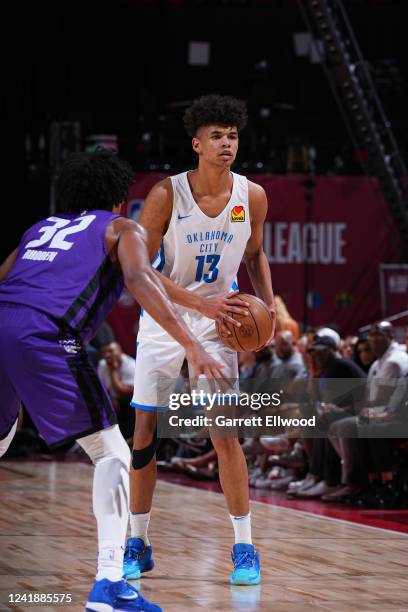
x: 183, y: 216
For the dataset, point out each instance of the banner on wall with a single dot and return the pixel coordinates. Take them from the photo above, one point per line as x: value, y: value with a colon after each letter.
x: 394, y: 289
x: 325, y: 240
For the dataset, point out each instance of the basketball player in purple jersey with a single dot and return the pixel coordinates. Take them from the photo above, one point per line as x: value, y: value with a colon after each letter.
x: 56, y: 288
x: 201, y: 224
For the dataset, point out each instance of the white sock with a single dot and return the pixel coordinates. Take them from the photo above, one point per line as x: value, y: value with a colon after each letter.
x: 242, y: 528
x: 139, y: 524
x: 110, y: 561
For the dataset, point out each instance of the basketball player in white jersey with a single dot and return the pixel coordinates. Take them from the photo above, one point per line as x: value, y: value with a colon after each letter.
x: 200, y: 225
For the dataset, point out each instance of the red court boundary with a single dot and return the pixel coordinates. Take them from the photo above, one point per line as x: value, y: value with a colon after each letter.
x: 391, y: 520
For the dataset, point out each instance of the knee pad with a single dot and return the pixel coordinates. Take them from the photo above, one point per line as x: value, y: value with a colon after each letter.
x: 142, y: 457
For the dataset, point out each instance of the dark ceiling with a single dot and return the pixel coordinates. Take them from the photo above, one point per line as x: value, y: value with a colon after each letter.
x: 121, y: 67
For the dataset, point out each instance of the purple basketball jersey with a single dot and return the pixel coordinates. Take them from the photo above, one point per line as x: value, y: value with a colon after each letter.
x: 63, y: 269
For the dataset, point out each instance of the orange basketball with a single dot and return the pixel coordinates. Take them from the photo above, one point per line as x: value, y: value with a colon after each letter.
x: 255, y: 329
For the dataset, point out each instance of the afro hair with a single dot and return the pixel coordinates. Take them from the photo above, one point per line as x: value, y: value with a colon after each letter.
x: 215, y: 110
x: 92, y: 181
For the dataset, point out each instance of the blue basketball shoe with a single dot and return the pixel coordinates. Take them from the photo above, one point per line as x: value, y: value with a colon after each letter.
x: 247, y: 568
x: 108, y: 596
x: 137, y: 559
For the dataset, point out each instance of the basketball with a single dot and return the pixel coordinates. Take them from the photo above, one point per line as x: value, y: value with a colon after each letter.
x: 255, y: 329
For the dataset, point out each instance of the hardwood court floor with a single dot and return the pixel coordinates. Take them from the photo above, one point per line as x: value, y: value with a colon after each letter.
x: 48, y: 545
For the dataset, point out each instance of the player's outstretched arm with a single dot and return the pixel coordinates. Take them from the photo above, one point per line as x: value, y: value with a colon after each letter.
x: 131, y: 253
x: 254, y: 257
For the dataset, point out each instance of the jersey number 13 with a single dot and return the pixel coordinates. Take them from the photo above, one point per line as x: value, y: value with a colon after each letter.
x: 210, y: 276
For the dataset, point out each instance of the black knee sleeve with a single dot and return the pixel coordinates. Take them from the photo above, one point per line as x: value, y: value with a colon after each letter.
x: 142, y: 457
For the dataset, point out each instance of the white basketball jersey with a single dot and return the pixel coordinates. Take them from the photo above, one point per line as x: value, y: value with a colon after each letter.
x: 202, y: 253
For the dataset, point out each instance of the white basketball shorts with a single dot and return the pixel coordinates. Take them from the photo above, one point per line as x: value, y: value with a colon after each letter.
x: 159, y: 358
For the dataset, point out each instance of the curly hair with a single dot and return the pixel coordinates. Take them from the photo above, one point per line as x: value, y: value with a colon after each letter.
x: 90, y: 181
x: 215, y: 110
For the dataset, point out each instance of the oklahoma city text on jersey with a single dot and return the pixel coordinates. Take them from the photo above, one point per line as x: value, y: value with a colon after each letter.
x: 207, y: 240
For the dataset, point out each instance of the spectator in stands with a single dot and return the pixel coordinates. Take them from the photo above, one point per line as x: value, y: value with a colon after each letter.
x: 378, y: 426
x: 103, y: 337
x: 333, y: 405
x: 307, y: 411
x: 291, y: 365
x: 284, y: 321
x: 281, y: 375
x: 195, y: 457
x: 373, y: 456
x: 304, y: 345
x: 246, y: 365
x: 117, y: 370
x: 391, y: 362
x: 363, y: 353
x: 347, y: 346
x: 265, y: 364
x: 332, y: 333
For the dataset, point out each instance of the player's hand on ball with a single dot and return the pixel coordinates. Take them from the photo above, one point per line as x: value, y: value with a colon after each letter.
x: 256, y: 328
x: 220, y: 307
x: 224, y: 330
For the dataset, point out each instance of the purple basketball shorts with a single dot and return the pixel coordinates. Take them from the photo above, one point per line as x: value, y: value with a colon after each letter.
x: 50, y: 372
